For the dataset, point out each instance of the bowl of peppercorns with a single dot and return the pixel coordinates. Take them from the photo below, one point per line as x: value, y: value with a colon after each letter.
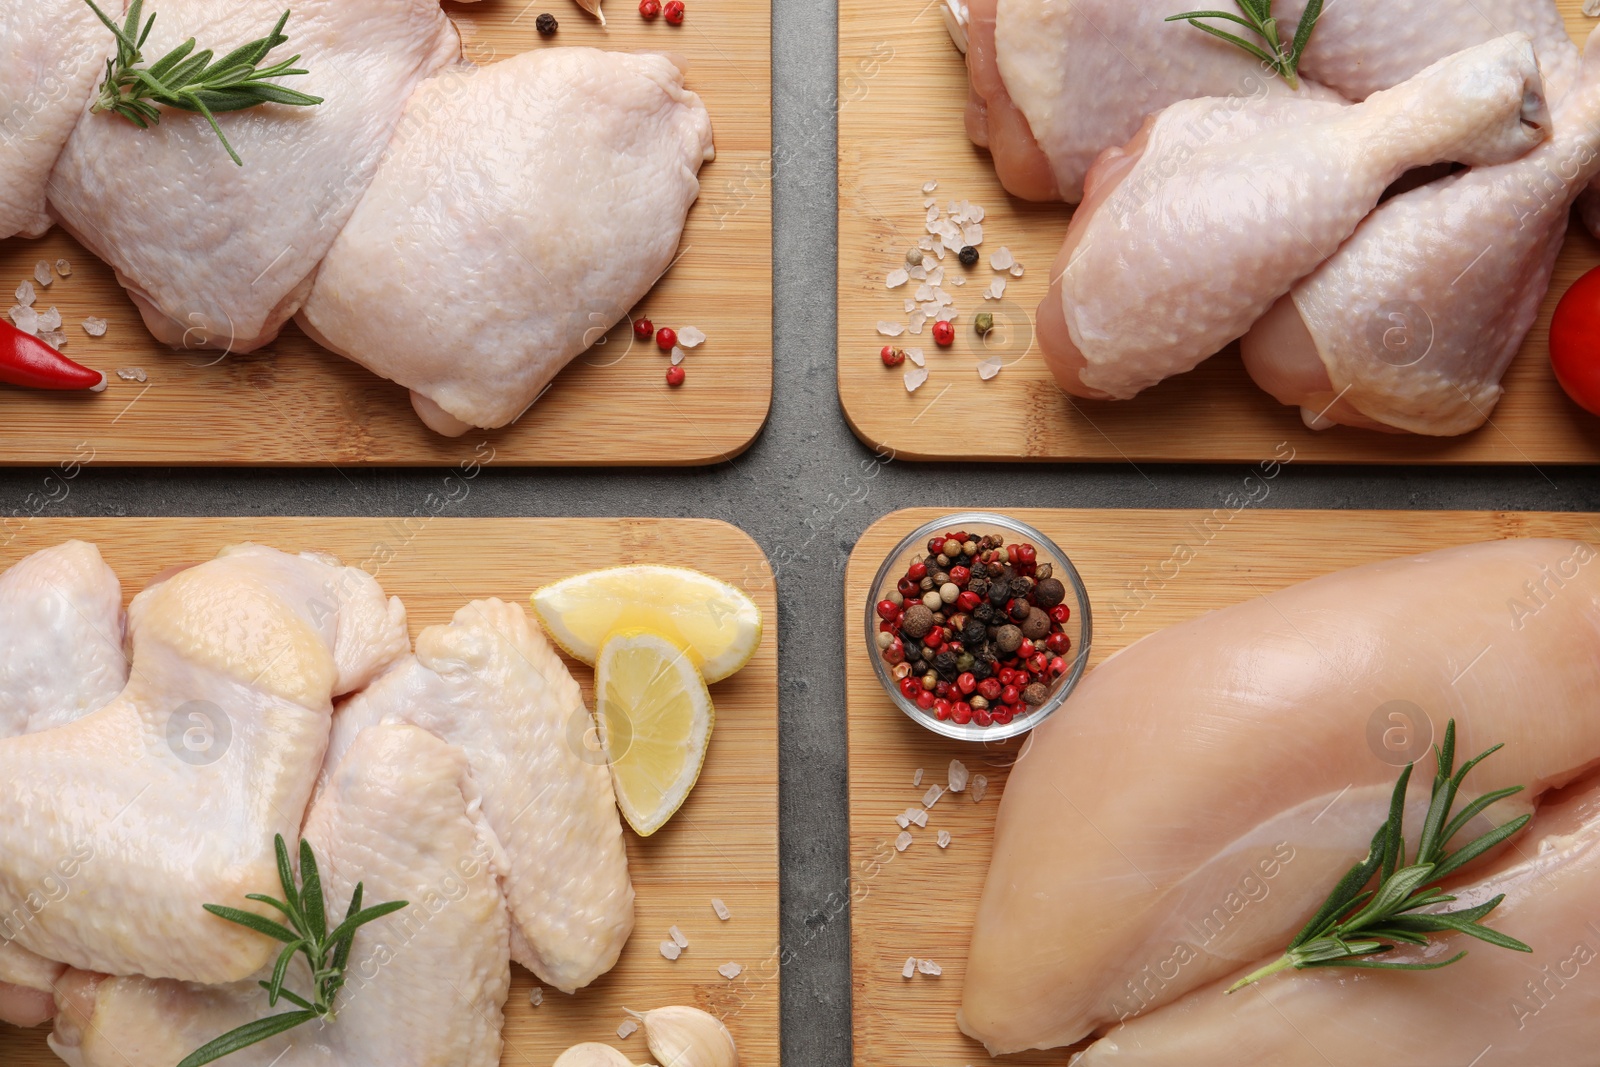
x: 979, y: 626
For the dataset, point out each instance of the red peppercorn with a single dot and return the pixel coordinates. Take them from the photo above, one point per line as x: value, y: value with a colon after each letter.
x: 1058, y: 643
x: 1002, y: 716
x: 674, y: 12
x: 935, y: 638
x: 1060, y: 614
x: 944, y: 334
x: 666, y: 337
x: 967, y: 682
x: 1058, y: 667
x: 917, y: 571
x: 941, y: 709
x: 968, y: 601
x: 910, y: 687
x: 907, y: 587
x: 925, y: 700
x: 1037, y: 663
x: 961, y: 713
x: 961, y: 576
x: 935, y: 544
x: 675, y: 376
x: 887, y: 610
x: 959, y: 535
x: 1025, y: 649
x: 1011, y: 553
x: 892, y: 356
x: 649, y: 8
x: 1027, y: 553
x: 982, y: 717
x: 643, y: 330
x: 1010, y: 695
x: 895, y: 653
x: 989, y: 689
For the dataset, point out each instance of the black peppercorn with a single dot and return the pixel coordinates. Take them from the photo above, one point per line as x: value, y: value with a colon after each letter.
x: 999, y: 593
x: 986, y: 613
x: 974, y: 633
x: 1051, y: 592
x: 1021, y: 586
x: 978, y: 587
x: 945, y: 664
x: 968, y: 255
x: 982, y: 669
x: 546, y: 24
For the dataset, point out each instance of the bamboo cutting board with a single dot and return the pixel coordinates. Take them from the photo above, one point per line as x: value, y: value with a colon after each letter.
x: 294, y: 404
x: 723, y: 843
x: 922, y: 902
x: 902, y: 93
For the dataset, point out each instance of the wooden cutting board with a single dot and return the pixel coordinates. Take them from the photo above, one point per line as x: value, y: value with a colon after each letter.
x: 294, y: 404
x: 723, y: 843
x: 922, y: 902
x: 902, y: 93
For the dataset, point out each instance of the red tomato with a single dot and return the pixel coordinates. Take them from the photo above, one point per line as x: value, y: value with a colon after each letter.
x: 1575, y: 342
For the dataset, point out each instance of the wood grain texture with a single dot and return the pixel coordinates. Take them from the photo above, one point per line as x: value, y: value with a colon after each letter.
x: 294, y: 404
x: 922, y: 902
x: 723, y: 843
x: 902, y: 91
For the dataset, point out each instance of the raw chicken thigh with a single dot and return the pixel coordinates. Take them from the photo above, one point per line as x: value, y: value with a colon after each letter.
x: 221, y: 256
x: 222, y: 725
x: 1191, y: 233
x: 490, y: 683
x: 1412, y: 323
x: 1493, y: 1009
x: 522, y: 210
x: 1200, y: 792
x: 426, y: 985
x: 50, y: 54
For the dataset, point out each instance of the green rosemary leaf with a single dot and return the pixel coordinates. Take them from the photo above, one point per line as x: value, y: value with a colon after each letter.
x: 172, y: 59
x: 1476, y: 808
x: 1467, y: 853
x: 254, y: 922
x: 1271, y: 61
x: 1378, y: 965
x: 1394, y: 854
x: 286, y: 875
x: 247, y: 1035
x: 311, y: 903
x: 281, y: 970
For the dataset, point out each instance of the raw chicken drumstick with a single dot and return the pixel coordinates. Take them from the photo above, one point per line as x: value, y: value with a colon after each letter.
x: 1228, y: 760
x: 1493, y: 1008
x: 221, y: 728
x: 1190, y: 233
x: 522, y: 210
x: 221, y: 256
x: 1055, y: 82
x: 1412, y: 323
x: 426, y: 986
x: 490, y: 683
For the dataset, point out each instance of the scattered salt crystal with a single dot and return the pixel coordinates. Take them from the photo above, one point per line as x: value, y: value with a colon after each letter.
x: 980, y: 786
x: 677, y: 355
x: 678, y: 938
x: 919, y: 272
x: 903, y: 842
x: 929, y: 202
x: 627, y: 1029
x: 944, y: 838
x: 918, y: 318
x: 954, y: 208
x: 1003, y: 259
x: 896, y: 278
x: 63, y: 268
x: 929, y: 967
x: 996, y: 290
x: 730, y: 971
x: 671, y: 951
x: 938, y: 249
x: 25, y: 319
x: 94, y: 327
x: 926, y: 244
x: 690, y: 337
x: 958, y: 281
x: 1016, y: 271
x: 925, y: 291
x: 50, y: 320
x: 915, y: 356
x: 952, y: 316
x: 54, y: 338
x: 42, y: 275
x: 931, y: 797
x: 536, y: 997
x: 26, y: 295
x: 932, y: 219
x: 936, y: 275
x: 910, y: 968
x: 958, y: 776
x: 975, y: 212
x: 891, y: 329
x: 930, y: 186
x: 721, y: 909
x: 914, y: 378
x: 916, y: 779
x: 989, y: 368
x: 972, y: 233
x: 904, y: 819
x: 918, y: 816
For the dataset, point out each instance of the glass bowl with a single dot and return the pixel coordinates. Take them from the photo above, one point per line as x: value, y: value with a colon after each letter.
x: 982, y: 522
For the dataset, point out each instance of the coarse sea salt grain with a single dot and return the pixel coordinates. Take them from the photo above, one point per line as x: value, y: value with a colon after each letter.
x: 903, y: 842
x: 910, y: 968
x: 1003, y: 259
x: 931, y: 797
x: 50, y: 320
x: 678, y: 938
x: 627, y: 1029
x: 915, y: 377
x: 929, y: 967
x: 972, y: 233
x: 677, y: 355
x: 957, y: 776
x: 721, y: 909
x: 915, y: 356
x: 691, y: 337
x: 64, y: 268
x: 536, y: 996
x: 1016, y: 271
x: 918, y: 816
x: 896, y: 278
x: 54, y: 338
x: 989, y: 368
x: 916, y: 779
x: 891, y: 329
x: 42, y: 275
x: 25, y: 294
x: 944, y: 838
x: 730, y: 970
x: 94, y: 327
x: 903, y: 820
x: 980, y: 786
x: 670, y: 950
x: 25, y: 319
x: 996, y: 290
x: 918, y: 320
x: 930, y: 185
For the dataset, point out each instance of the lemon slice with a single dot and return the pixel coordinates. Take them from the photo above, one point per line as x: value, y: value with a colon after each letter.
x: 655, y: 724
x: 716, y: 622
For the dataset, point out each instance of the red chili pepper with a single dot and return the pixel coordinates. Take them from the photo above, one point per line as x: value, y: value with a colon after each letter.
x: 29, y: 362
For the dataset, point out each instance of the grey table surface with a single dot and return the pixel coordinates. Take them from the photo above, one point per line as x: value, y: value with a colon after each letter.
x: 798, y: 463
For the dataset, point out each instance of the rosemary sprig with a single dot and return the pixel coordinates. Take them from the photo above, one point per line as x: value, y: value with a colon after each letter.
x: 189, y: 81
x: 327, y: 951
x: 1283, y: 60
x: 1356, y: 923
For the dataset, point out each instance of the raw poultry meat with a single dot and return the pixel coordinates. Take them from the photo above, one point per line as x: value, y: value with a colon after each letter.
x: 1201, y: 790
x: 50, y: 53
x: 1495, y: 1008
x: 61, y: 631
x: 220, y: 256
x: 1055, y: 82
x: 426, y: 986
x: 490, y: 683
x: 1414, y: 320
x: 222, y: 725
x: 1191, y: 233
x: 522, y: 210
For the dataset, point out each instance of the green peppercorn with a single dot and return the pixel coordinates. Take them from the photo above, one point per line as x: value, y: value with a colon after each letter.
x: 983, y: 323
x: 968, y: 255
x: 965, y: 661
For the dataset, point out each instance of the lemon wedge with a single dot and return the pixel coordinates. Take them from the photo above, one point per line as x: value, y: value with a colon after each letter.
x: 715, y: 622
x: 655, y: 724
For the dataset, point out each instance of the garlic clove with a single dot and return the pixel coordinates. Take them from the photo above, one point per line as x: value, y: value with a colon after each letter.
x: 593, y: 8
x: 688, y: 1037
x: 592, y: 1054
